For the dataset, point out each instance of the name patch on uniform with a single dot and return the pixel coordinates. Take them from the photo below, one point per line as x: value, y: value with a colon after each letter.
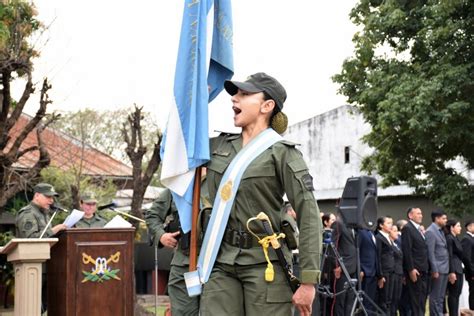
x: 308, y: 182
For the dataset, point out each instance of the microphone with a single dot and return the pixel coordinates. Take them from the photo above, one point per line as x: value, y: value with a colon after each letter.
x: 55, y: 207
x: 113, y: 204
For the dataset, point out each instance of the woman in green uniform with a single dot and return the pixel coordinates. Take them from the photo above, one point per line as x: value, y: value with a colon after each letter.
x: 237, y: 284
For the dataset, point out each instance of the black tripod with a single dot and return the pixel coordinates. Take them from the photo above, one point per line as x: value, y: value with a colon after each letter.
x: 353, y: 285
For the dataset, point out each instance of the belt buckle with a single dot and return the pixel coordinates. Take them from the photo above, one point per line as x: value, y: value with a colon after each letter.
x: 245, y: 240
x: 235, y: 238
x: 242, y: 241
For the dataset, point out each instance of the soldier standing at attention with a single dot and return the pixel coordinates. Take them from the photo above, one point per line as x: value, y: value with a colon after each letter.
x: 32, y: 219
x: 89, y: 207
x: 160, y: 220
x: 237, y: 283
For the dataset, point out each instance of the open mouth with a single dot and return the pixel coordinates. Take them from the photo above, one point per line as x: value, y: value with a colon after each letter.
x: 236, y: 110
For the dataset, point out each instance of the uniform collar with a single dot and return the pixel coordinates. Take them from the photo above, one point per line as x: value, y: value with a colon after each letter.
x: 232, y: 137
x: 39, y: 208
x: 236, y: 141
x: 94, y: 217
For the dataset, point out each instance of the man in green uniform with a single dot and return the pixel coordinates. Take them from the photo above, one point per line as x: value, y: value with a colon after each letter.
x: 89, y: 207
x: 162, y: 213
x: 32, y: 219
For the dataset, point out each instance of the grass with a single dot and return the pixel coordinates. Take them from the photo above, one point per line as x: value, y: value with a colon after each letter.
x: 161, y: 310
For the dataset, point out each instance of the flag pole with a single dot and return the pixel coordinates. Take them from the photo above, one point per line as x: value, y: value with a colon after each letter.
x: 194, y: 220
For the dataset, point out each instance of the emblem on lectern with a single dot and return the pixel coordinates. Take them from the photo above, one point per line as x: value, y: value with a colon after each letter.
x: 101, y: 271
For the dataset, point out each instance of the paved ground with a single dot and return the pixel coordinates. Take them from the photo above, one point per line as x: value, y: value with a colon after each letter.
x: 146, y: 306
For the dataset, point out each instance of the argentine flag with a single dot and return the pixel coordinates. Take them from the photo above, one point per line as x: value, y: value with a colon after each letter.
x: 185, y: 144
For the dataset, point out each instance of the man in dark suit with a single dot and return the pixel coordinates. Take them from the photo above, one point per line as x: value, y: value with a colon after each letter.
x: 468, y: 249
x: 415, y: 261
x: 438, y: 256
x: 344, y: 241
x: 368, y: 265
x: 404, y: 306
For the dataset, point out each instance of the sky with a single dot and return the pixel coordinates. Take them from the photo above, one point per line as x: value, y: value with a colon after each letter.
x: 114, y: 53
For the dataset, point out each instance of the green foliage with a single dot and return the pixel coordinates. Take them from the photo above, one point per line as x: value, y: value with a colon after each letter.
x: 412, y: 77
x: 7, y: 273
x: 62, y: 180
x: 5, y: 237
x: 15, y: 204
x: 17, y: 24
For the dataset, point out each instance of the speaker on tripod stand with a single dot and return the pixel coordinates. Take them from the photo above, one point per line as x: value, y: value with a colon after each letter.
x: 357, y: 210
x: 358, y: 204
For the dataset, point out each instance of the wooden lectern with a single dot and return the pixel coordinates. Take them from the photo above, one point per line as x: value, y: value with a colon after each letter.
x: 91, y: 273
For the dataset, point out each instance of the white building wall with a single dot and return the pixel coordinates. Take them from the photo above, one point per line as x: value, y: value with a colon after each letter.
x: 323, y: 139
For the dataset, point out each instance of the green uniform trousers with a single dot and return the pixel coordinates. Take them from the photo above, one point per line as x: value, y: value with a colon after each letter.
x: 242, y: 290
x: 181, y: 303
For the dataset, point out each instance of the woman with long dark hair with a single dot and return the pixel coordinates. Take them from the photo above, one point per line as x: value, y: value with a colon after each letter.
x: 455, y: 277
x: 386, y: 259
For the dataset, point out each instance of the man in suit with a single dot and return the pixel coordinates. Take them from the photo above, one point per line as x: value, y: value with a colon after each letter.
x: 368, y: 265
x: 468, y: 249
x: 415, y: 261
x: 438, y: 256
x: 343, y: 238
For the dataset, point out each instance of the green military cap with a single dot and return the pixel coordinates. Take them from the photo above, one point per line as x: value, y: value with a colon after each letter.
x: 259, y: 82
x: 88, y: 197
x: 45, y: 189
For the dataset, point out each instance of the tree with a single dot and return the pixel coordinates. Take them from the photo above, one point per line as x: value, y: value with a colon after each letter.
x: 103, y: 130
x: 69, y: 184
x: 17, y: 25
x: 133, y: 137
x: 412, y: 77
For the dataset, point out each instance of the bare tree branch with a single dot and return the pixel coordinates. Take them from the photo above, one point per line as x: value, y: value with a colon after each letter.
x: 44, y: 101
x: 24, y: 151
x: 135, y: 153
x: 6, y: 101
x: 154, y: 162
x: 43, y: 161
x: 27, y: 91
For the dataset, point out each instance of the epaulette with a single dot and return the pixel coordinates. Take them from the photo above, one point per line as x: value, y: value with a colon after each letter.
x: 24, y: 209
x: 222, y: 133
x: 227, y: 135
x: 289, y: 143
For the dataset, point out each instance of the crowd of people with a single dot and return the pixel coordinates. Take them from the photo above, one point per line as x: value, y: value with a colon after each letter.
x: 402, y: 265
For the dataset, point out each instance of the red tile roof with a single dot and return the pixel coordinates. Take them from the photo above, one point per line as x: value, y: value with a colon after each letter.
x: 67, y: 152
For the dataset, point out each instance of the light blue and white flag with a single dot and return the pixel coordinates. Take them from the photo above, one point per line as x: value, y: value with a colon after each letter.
x: 185, y: 144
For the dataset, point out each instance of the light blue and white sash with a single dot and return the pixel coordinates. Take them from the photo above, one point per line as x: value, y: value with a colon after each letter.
x: 221, y: 209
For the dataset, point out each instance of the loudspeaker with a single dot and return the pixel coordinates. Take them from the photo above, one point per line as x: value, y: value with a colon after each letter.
x: 358, y: 204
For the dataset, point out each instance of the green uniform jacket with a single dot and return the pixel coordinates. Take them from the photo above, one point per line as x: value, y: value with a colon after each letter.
x: 278, y: 170
x: 31, y: 221
x: 94, y: 222
x: 155, y: 218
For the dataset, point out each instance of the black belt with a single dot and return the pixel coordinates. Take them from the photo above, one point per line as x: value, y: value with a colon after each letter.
x: 240, y: 239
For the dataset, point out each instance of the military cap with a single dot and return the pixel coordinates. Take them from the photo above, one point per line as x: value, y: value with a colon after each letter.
x: 88, y: 197
x: 259, y: 82
x: 45, y: 189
